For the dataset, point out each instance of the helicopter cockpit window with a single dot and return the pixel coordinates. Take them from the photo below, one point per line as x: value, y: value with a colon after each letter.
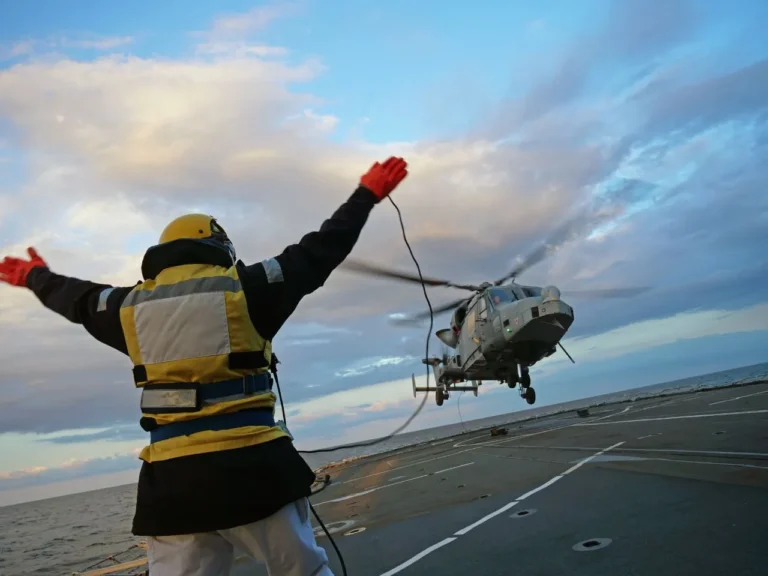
x: 499, y: 296
x: 461, y: 313
x: 532, y: 292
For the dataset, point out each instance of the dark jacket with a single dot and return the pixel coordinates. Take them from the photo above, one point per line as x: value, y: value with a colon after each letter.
x: 224, y: 489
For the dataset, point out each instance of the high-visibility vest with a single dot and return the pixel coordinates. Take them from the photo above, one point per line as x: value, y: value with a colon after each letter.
x: 201, y: 364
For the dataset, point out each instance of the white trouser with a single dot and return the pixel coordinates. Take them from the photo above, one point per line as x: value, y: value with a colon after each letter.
x: 285, y: 542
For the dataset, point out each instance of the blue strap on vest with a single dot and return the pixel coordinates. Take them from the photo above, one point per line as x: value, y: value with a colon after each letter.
x: 257, y: 417
x: 191, y: 397
x: 250, y: 384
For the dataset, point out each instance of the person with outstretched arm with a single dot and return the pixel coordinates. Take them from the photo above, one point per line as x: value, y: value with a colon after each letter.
x: 219, y: 471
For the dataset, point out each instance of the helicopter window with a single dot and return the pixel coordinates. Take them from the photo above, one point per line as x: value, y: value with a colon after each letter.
x: 499, y: 296
x: 461, y: 313
x: 531, y: 292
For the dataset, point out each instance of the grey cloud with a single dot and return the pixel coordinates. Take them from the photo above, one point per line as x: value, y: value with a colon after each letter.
x: 635, y: 32
x: 70, y: 399
x: 117, y: 463
x: 640, y: 29
x: 116, y: 433
x: 738, y: 94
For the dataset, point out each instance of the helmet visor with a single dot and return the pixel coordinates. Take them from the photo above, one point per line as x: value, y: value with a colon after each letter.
x: 220, y: 235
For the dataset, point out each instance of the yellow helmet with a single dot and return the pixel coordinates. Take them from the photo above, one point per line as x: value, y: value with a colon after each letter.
x: 198, y: 227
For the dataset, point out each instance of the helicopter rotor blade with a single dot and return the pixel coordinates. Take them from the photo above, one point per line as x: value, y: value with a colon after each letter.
x: 532, y: 258
x: 604, y: 293
x: 422, y: 315
x: 357, y: 266
x: 566, y: 231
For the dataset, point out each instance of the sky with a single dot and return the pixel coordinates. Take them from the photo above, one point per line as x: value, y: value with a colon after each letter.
x: 644, y: 125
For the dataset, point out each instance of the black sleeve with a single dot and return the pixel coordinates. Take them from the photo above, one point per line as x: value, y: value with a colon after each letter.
x: 95, y: 306
x: 274, y: 287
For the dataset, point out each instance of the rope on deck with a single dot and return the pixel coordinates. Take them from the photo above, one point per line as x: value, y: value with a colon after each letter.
x: 115, y: 563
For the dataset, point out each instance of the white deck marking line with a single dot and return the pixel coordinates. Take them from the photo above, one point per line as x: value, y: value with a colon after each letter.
x: 546, y: 484
x: 710, y: 463
x: 488, y: 517
x: 580, y: 464
x: 484, y: 519
x: 418, y: 557
x: 739, y: 397
x: 503, y: 440
x: 441, y: 442
x: 382, y: 486
x: 495, y: 442
x: 463, y: 443
x: 682, y: 417
x: 659, y: 450
x: 451, y: 468
x: 399, y: 468
x: 612, y: 414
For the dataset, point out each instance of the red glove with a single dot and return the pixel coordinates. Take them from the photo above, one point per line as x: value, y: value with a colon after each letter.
x: 14, y: 270
x: 381, y: 179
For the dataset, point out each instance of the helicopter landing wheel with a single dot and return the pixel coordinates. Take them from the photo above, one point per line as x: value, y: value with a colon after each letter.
x: 439, y: 396
x: 530, y: 395
x: 512, y: 379
x: 525, y: 379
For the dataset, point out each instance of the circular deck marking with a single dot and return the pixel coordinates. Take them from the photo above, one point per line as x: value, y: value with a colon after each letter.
x: 355, y: 531
x: 333, y: 527
x: 592, y: 544
x: 523, y: 513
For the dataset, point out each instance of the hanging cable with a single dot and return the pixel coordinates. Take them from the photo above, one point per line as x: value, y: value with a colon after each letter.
x: 275, y: 362
x: 461, y: 418
x: 426, y: 355
x: 333, y: 542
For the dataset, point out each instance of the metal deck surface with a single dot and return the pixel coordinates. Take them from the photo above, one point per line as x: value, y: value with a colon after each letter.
x: 676, y: 485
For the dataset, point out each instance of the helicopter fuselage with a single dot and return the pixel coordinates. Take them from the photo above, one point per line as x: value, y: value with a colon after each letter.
x: 500, y: 330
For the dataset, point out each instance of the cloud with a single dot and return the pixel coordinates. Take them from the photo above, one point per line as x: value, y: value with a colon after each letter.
x: 17, y: 49
x: 370, y: 364
x: 39, y: 47
x: 634, y: 35
x: 254, y: 20
x: 105, y: 43
x: 115, y: 433
x: 68, y: 470
x: 663, y: 331
x: 240, y: 49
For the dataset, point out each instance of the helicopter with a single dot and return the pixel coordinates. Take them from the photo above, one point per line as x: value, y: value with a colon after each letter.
x: 500, y: 331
